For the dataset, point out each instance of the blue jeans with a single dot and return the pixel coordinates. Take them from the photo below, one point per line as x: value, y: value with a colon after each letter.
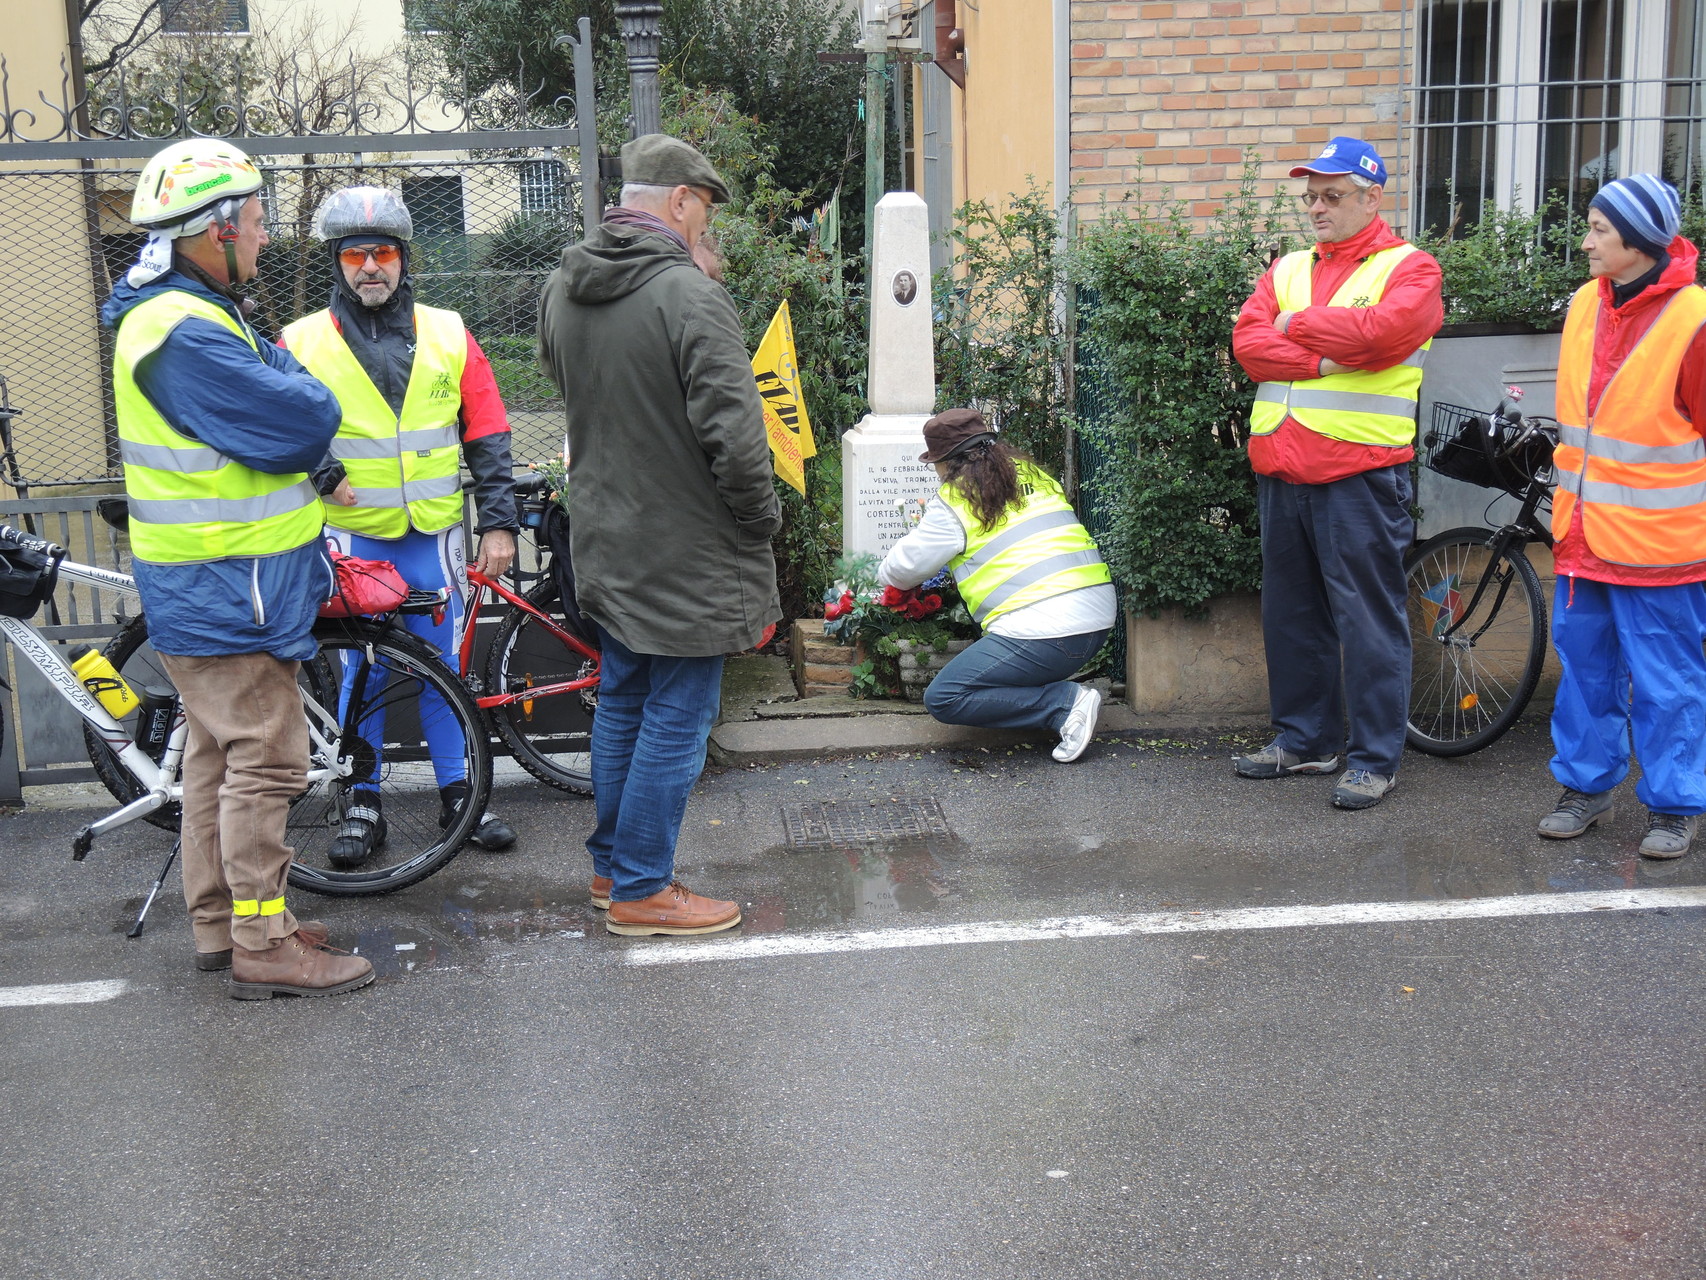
x: 648, y: 748
x: 1012, y: 684
x: 1333, y: 614
x: 1632, y: 669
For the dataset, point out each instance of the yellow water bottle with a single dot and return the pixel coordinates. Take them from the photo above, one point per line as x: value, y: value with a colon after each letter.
x: 100, y: 678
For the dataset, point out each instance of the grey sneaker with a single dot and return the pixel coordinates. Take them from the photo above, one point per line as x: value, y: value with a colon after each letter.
x: 1668, y: 834
x: 1576, y: 811
x: 1274, y: 761
x: 1080, y: 724
x: 1360, y: 789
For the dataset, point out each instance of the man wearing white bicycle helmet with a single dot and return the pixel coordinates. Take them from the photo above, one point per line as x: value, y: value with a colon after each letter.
x: 417, y: 396
x: 217, y: 431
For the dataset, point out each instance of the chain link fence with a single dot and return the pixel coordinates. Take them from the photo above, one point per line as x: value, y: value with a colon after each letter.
x: 487, y: 232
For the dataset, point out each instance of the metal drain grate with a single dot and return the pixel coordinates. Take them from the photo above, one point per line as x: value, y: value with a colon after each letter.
x: 897, y: 818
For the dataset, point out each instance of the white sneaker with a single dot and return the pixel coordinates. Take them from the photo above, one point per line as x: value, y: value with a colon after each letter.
x: 1080, y: 724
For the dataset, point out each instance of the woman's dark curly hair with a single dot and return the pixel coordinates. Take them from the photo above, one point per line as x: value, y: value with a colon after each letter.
x: 987, y: 476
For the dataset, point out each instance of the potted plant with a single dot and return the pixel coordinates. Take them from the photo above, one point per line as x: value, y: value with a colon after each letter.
x: 904, y: 637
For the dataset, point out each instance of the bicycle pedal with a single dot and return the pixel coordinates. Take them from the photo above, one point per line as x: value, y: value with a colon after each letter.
x: 81, y: 843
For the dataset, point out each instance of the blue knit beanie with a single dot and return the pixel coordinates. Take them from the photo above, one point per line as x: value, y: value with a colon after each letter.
x: 1644, y: 209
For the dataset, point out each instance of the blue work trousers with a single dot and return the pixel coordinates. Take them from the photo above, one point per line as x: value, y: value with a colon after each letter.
x: 1001, y: 683
x: 1632, y: 668
x: 648, y: 749
x: 1333, y: 618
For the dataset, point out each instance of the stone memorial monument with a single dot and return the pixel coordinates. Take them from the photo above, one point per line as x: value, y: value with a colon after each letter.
x: 880, y: 469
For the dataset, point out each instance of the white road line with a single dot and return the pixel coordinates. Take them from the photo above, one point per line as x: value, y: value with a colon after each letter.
x: 1114, y: 926
x: 63, y: 993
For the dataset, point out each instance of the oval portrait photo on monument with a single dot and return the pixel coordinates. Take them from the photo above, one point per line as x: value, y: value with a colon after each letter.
x: 905, y: 287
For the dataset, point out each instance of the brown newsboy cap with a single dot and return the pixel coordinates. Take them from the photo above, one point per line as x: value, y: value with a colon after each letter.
x: 951, y: 431
x: 658, y: 160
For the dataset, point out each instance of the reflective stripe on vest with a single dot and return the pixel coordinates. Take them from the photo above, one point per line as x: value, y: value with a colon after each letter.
x: 1040, y: 550
x: 1636, y: 465
x: 404, y: 467
x: 1359, y: 406
x: 189, y: 502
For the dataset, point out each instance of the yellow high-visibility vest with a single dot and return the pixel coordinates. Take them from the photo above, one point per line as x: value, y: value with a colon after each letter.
x: 189, y: 502
x: 1037, y: 551
x: 405, y: 468
x: 1359, y: 405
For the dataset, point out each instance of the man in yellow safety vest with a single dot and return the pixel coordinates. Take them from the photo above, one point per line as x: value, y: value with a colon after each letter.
x: 217, y: 430
x: 1336, y: 336
x: 418, y: 398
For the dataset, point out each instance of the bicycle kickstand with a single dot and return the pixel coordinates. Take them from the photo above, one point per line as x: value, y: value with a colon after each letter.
x: 135, y: 930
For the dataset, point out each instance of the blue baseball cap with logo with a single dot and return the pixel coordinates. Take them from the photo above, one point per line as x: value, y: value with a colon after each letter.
x: 1347, y: 155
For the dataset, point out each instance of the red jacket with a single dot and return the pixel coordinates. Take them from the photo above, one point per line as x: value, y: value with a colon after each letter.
x: 1615, y: 336
x: 1378, y: 337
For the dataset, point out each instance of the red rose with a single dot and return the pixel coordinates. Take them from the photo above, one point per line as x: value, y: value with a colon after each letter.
x: 932, y: 602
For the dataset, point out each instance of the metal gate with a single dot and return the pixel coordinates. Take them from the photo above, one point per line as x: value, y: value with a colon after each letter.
x: 495, y: 188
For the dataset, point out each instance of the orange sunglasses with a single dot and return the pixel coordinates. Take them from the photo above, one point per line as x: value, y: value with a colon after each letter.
x: 382, y: 254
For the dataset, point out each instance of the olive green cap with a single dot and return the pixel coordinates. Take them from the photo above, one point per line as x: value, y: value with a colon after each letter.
x: 658, y: 160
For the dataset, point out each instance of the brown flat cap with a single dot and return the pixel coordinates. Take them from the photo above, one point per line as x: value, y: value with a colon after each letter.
x: 952, y: 430
x: 658, y: 160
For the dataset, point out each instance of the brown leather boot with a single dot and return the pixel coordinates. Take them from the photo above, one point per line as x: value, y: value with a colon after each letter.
x: 672, y: 909
x: 315, y: 931
x: 599, y: 892
x: 295, y: 967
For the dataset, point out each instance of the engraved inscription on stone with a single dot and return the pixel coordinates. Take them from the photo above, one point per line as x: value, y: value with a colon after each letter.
x: 883, y: 487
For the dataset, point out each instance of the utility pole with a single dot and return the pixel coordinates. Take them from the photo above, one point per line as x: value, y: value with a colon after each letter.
x: 876, y: 111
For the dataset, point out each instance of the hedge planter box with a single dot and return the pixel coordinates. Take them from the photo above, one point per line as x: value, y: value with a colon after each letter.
x: 919, y: 664
x: 1190, y: 666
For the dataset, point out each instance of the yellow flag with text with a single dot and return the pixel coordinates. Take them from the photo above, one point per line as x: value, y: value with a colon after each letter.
x: 778, y: 372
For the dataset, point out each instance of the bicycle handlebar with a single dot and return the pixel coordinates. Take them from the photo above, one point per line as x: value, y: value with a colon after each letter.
x: 18, y: 538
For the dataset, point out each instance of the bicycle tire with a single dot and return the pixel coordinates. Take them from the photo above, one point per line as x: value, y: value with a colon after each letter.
x: 134, y: 658
x: 1473, y: 674
x: 389, y: 669
x: 551, y: 737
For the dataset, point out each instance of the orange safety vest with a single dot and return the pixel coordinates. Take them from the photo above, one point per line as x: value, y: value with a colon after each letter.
x: 1637, y: 466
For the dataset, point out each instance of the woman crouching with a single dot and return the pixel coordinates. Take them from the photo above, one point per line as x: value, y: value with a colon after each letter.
x: 1030, y: 576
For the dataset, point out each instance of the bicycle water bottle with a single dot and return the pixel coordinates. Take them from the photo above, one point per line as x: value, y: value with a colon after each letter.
x: 100, y: 678
x: 154, y: 724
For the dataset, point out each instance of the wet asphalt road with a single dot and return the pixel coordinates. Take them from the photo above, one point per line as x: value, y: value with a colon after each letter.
x: 1511, y: 1097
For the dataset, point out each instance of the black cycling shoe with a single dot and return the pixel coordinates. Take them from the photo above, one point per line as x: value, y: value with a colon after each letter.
x: 492, y: 833
x: 363, y: 832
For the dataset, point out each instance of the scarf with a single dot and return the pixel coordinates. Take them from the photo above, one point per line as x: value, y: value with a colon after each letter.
x: 640, y: 220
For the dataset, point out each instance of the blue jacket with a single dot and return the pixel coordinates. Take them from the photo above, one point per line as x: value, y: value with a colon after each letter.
x: 267, y: 412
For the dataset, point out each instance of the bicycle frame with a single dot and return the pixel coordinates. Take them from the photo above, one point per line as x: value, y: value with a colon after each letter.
x: 161, y: 780
x: 479, y: 584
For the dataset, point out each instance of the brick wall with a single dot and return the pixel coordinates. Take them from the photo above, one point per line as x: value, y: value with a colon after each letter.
x: 1184, y: 89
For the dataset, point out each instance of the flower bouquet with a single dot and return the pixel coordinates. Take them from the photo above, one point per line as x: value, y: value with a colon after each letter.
x: 899, y: 631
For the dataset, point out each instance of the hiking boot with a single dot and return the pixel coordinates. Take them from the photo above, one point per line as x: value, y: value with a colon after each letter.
x: 313, y: 931
x: 492, y: 833
x: 295, y: 967
x: 598, y: 892
x: 1274, y: 761
x: 363, y: 832
x: 1360, y: 789
x: 674, y: 910
x: 1080, y: 724
x: 1576, y: 811
x: 1668, y: 834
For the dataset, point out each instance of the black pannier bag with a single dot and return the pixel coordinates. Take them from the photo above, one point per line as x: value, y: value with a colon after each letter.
x: 556, y: 534
x: 27, y: 579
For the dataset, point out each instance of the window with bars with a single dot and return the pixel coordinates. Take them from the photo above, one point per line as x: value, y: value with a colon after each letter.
x: 544, y: 187
x: 195, y: 17
x: 1521, y: 100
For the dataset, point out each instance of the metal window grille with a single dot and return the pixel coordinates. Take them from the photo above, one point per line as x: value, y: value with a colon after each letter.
x: 1518, y: 101
x: 188, y: 17
x: 544, y: 186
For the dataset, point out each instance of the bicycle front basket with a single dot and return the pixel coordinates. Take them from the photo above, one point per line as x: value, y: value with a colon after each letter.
x: 1465, y: 445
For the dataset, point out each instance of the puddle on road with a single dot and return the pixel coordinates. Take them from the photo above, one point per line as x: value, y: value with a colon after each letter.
x: 437, y: 929
x: 870, y: 884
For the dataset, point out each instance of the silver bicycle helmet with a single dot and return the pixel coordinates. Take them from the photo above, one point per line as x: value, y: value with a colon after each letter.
x: 363, y: 211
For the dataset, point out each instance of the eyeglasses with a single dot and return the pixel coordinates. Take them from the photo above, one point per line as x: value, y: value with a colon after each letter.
x: 710, y: 206
x: 383, y: 255
x: 1332, y: 198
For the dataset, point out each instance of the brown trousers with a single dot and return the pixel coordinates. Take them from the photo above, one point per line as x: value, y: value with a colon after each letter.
x: 246, y: 759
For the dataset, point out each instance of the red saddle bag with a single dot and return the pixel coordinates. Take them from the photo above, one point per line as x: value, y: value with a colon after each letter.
x: 363, y: 587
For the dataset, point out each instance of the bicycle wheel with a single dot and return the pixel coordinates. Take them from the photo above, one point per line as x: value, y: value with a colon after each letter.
x: 396, y: 720
x: 134, y: 658
x: 1478, y: 637
x: 550, y: 737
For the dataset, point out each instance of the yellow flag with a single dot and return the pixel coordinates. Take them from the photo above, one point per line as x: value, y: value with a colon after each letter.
x: 785, y: 422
